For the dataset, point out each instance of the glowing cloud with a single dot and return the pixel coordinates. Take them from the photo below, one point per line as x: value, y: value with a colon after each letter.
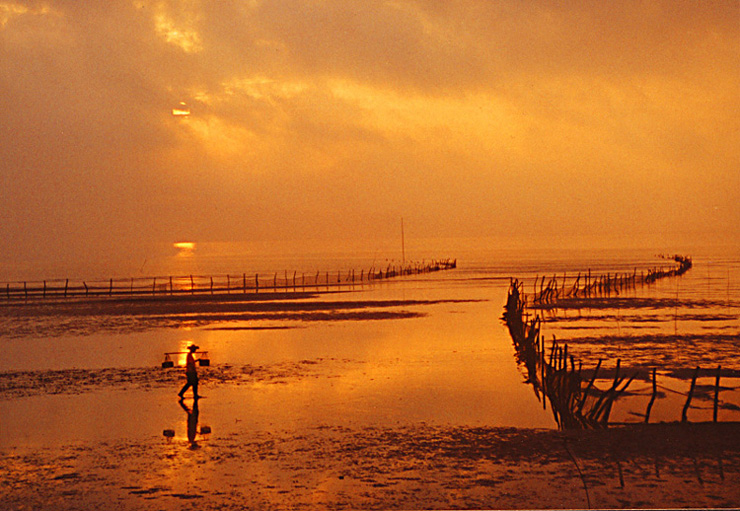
x: 178, y: 32
x: 10, y: 10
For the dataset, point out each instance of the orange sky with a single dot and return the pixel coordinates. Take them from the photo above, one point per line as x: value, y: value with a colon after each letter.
x: 159, y: 121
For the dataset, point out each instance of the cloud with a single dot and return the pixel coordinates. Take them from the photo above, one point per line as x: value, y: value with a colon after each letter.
x: 309, y: 118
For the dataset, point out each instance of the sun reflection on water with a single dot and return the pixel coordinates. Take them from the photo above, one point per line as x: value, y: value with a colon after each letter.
x: 184, y: 248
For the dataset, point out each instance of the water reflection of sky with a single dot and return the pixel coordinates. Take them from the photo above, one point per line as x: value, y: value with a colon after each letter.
x: 454, y: 364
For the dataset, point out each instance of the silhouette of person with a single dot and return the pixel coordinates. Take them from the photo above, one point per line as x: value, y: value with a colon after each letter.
x: 191, y: 373
x: 192, y: 422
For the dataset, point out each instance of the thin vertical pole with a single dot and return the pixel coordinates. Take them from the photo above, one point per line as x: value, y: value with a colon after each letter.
x: 403, y: 244
x: 652, y: 398
x: 716, y: 393
x: 691, y: 394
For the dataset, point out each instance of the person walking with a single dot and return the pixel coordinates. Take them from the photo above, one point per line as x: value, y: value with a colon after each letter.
x: 191, y: 373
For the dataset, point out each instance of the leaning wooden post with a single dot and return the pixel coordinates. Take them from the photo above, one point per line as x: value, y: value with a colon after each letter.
x: 691, y: 394
x: 25, y: 289
x: 110, y: 288
x: 44, y: 289
x: 244, y: 282
x: 256, y: 282
x: 652, y: 398
x: 171, y: 285
x: 716, y: 393
x: 66, y: 286
x: 154, y: 285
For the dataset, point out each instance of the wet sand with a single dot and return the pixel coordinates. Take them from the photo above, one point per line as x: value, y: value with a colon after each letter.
x: 354, y: 466
x: 413, y: 467
x: 400, y: 401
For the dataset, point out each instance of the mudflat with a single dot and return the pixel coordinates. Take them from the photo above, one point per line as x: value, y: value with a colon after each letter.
x: 411, y: 467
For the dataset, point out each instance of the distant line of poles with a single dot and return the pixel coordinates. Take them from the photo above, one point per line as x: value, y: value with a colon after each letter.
x: 216, y: 284
x: 549, y: 289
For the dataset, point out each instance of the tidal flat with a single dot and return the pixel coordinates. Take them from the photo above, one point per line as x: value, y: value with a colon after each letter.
x: 405, y: 394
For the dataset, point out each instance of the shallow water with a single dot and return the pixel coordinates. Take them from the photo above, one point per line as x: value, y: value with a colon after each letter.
x: 428, y: 348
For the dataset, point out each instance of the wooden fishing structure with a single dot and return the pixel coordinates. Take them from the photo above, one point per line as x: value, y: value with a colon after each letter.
x: 576, y: 401
x: 215, y: 284
x: 555, y: 377
x: 547, y: 290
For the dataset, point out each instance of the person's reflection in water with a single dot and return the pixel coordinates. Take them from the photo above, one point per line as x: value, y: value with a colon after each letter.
x: 192, y: 422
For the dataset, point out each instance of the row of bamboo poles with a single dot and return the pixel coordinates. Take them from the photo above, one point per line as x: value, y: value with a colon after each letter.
x: 217, y: 284
x: 556, y: 377
x: 547, y: 290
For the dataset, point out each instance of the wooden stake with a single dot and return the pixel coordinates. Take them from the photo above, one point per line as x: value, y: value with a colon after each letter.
x: 691, y: 394
x: 716, y: 393
x: 652, y: 398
